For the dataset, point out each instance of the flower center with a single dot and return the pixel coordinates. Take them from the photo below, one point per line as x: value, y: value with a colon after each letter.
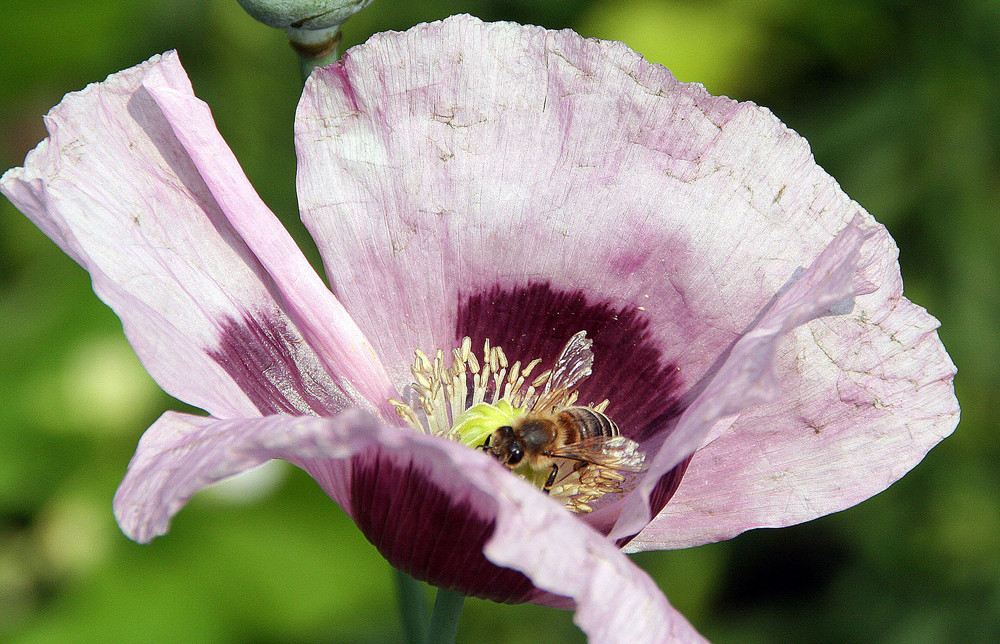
x: 529, y: 423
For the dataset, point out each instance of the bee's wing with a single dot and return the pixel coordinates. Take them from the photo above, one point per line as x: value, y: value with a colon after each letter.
x: 573, y: 365
x: 618, y: 453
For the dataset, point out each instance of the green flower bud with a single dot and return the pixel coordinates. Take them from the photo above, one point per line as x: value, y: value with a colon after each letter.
x: 313, y: 26
x: 303, y: 14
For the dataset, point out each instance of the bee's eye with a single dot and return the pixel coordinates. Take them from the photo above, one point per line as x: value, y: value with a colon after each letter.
x: 515, y: 455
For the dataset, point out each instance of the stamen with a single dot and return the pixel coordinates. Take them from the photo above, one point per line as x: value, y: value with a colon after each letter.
x: 406, y: 413
x: 531, y: 365
x: 422, y: 361
x: 541, y: 379
x: 513, y: 374
x: 478, y: 389
x: 421, y: 379
x: 439, y: 366
x: 527, y: 399
x: 432, y: 419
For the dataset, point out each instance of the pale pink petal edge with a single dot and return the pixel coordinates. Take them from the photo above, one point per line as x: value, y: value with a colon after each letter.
x: 59, y: 191
x: 747, y: 376
x: 114, y: 187
x: 321, y: 318
x: 864, y: 397
x: 180, y: 454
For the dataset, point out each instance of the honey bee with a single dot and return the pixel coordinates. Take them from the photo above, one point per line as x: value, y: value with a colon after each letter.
x: 551, y: 435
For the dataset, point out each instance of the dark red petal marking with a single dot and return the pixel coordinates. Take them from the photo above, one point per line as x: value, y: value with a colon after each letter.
x: 535, y: 321
x: 275, y: 369
x: 428, y: 533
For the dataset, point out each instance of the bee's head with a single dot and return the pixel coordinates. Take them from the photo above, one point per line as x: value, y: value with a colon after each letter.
x: 503, y: 445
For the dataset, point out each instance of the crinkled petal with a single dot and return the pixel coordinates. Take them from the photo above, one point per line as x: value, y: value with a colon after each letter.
x: 136, y: 184
x: 529, y: 532
x: 864, y: 396
x: 746, y: 377
x: 463, y: 166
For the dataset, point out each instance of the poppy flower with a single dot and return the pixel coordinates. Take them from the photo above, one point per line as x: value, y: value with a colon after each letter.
x: 489, y: 197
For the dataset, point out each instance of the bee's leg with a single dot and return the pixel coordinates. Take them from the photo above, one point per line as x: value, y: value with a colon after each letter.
x: 486, y: 446
x: 552, y: 478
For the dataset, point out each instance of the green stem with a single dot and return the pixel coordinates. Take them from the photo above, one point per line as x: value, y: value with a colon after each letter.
x: 413, y: 606
x: 315, y: 48
x: 306, y: 64
x: 444, y: 619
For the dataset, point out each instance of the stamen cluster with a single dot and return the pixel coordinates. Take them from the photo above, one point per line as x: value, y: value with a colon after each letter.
x: 443, y: 394
x: 468, y: 400
x: 586, y: 485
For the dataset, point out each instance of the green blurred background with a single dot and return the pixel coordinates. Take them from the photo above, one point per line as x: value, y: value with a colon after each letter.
x: 900, y: 103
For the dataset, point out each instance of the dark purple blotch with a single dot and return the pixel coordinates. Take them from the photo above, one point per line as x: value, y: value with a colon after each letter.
x: 536, y: 321
x: 277, y: 371
x: 644, y: 387
x: 428, y: 533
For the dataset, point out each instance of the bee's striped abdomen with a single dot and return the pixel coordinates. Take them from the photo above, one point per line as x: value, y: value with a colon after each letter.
x: 590, y: 423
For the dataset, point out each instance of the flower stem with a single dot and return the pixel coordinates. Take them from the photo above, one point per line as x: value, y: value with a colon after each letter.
x: 306, y: 64
x: 444, y: 619
x: 413, y: 606
x: 316, y: 48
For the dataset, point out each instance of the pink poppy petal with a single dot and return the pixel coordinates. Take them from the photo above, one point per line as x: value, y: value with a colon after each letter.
x: 530, y: 532
x: 747, y: 376
x: 322, y: 320
x: 465, y: 168
x: 864, y: 397
x: 194, y: 287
